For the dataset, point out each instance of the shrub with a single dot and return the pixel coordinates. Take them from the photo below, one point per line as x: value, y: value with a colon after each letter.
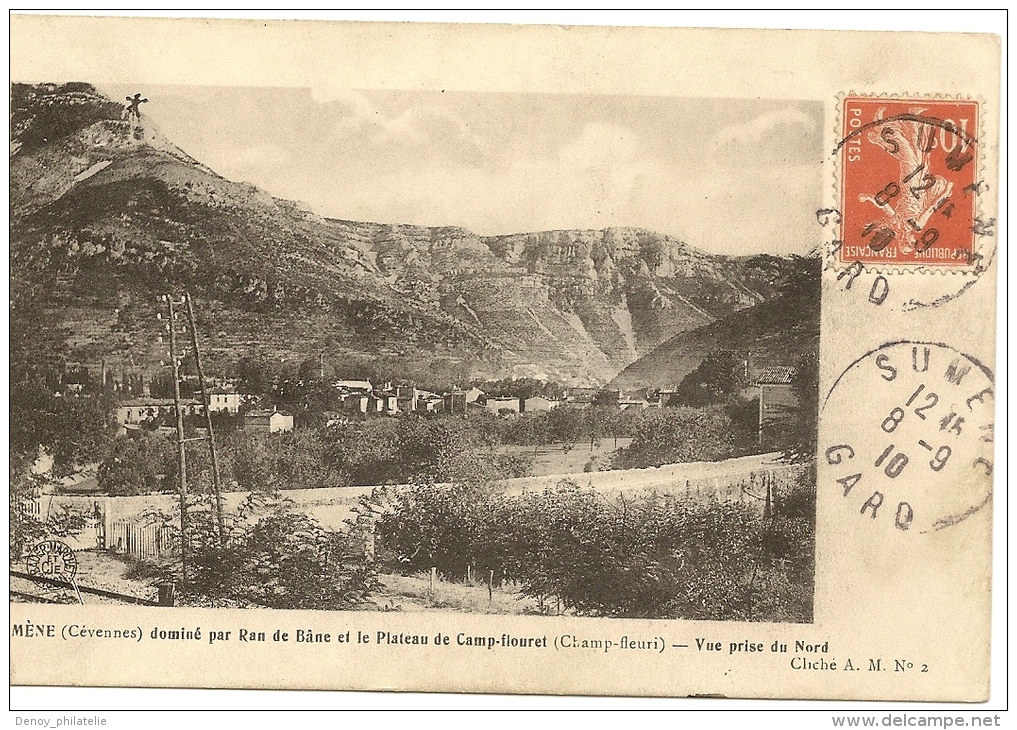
x: 574, y: 549
x: 428, y: 525
x: 674, y: 435
x: 26, y: 527
x: 278, y: 557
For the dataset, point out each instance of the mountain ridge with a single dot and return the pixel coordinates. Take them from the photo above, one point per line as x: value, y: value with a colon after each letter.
x: 106, y: 213
x: 779, y: 331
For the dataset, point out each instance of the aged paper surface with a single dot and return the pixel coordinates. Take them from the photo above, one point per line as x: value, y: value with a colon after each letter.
x: 675, y: 251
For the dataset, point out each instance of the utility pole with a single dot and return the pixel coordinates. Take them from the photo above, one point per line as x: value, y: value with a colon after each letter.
x: 181, y: 453
x: 220, y: 520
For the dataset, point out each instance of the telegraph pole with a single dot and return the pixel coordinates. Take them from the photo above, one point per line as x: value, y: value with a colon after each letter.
x: 220, y: 520
x: 181, y: 453
x: 761, y: 395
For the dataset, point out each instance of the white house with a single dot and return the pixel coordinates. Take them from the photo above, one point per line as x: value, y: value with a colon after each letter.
x: 140, y: 410
x: 224, y: 401
x: 267, y: 422
x: 501, y: 405
x: 539, y: 403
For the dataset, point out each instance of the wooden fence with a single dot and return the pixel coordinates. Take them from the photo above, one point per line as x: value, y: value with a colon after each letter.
x: 139, y: 541
x: 32, y: 507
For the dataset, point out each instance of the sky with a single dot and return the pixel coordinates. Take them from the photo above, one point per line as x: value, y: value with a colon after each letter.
x: 726, y: 176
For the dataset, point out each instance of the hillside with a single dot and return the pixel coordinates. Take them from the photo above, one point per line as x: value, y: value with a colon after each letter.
x: 107, y: 214
x: 775, y: 332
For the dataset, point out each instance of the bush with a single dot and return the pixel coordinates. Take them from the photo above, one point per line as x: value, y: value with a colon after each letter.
x: 675, y: 435
x: 27, y: 527
x: 134, y: 465
x: 657, y: 556
x: 278, y: 557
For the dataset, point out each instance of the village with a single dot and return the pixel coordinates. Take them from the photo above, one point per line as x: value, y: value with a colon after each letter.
x: 152, y: 478
x: 362, y: 398
x: 772, y: 385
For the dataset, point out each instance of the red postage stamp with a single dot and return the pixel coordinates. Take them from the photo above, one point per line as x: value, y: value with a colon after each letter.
x: 909, y: 190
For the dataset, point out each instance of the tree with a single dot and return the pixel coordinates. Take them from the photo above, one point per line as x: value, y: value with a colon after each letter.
x: 309, y: 370
x: 26, y: 525
x: 804, y: 429
x: 136, y: 465
x: 75, y: 430
x: 364, y: 452
x: 675, y: 435
x: 566, y: 426
x: 299, y: 460
x: 250, y: 462
x: 718, y: 378
x: 256, y: 375
x: 25, y: 528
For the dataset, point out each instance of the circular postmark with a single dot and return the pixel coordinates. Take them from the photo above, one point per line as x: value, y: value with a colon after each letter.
x: 908, y: 436
x: 909, y: 201
x: 52, y: 559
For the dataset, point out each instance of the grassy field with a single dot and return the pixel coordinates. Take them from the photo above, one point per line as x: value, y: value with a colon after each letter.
x: 413, y: 593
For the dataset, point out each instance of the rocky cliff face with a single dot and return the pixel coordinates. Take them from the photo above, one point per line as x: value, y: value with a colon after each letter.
x: 106, y: 215
x: 778, y: 331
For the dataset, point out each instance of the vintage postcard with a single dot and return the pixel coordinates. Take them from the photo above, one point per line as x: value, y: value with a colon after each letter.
x: 502, y: 359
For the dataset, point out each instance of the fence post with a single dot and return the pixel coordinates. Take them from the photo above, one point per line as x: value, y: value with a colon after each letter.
x: 166, y: 593
x: 430, y: 584
x: 490, y: 586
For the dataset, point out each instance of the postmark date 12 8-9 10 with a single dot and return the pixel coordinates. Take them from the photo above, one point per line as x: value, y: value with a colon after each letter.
x: 935, y: 418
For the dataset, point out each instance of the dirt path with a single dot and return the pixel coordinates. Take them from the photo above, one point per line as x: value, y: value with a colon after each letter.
x: 95, y: 570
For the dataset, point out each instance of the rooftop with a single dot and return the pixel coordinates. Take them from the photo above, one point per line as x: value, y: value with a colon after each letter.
x: 151, y: 402
x: 775, y: 375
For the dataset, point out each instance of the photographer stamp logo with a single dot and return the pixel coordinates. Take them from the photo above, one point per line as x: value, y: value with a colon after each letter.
x: 909, y: 182
x: 52, y: 559
x: 920, y: 460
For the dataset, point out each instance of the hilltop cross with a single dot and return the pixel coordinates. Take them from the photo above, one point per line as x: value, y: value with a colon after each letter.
x: 134, y: 105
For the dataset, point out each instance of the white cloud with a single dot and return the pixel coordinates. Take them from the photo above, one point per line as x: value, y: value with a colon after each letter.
x: 428, y: 127
x: 498, y: 164
x: 585, y: 180
x: 775, y: 136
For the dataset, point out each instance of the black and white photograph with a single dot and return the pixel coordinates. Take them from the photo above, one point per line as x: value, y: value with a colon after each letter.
x: 339, y: 349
